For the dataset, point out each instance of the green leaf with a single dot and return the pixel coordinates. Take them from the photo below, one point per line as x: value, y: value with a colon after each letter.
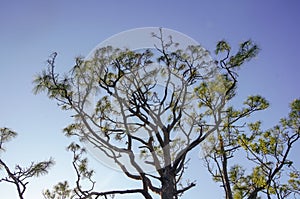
x: 222, y: 46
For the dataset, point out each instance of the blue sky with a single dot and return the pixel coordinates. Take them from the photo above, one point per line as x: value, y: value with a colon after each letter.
x: 31, y: 30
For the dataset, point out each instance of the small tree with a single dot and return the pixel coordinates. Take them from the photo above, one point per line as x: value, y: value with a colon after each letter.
x: 19, y: 176
x: 149, y: 115
x: 266, y: 152
x: 271, y: 172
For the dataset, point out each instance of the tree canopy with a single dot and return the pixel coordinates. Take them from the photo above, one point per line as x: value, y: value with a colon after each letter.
x: 147, y: 109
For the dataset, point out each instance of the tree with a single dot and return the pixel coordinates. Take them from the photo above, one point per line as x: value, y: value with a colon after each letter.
x: 20, y: 175
x: 266, y: 151
x: 272, y: 173
x: 153, y: 107
x: 63, y: 191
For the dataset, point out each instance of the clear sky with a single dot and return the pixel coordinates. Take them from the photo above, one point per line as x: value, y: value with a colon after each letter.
x: 31, y: 30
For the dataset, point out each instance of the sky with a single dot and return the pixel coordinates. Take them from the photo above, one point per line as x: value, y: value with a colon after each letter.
x: 31, y: 30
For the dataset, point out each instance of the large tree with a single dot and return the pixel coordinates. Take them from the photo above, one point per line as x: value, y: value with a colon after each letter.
x: 152, y: 107
x: 19, y: 175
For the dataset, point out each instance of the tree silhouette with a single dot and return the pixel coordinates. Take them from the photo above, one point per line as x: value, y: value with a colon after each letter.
x: 19, y: 176
x: 152, y: 107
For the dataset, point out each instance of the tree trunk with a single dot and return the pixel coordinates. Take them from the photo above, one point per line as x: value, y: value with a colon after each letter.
x: 253, y: 194
x: 168, y: 189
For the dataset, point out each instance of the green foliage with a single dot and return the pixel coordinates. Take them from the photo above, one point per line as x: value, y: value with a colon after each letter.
x: 211, y: 92
x: 258, y: 177
x: 60, y: 191
x: 79, y: 163
x: 38, y: 169
x: 266, y: 150
x: 246, y: 52
x: 256, y: 103
x: 222, y: 46
x: 5, y: 136
x: 84, y: 176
